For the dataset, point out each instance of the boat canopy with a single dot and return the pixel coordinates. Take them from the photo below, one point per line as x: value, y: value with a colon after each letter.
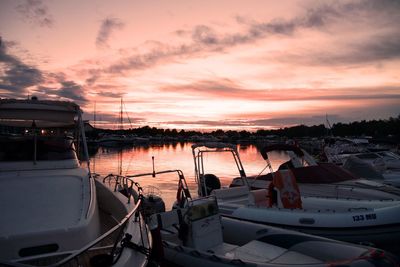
x: 45, y: 113
x: 281, y: 147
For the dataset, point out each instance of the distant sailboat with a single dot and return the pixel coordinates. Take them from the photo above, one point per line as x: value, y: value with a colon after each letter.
x: 120, y: 139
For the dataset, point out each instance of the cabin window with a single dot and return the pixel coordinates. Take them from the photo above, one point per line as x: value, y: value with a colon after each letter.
x: 22, y: 148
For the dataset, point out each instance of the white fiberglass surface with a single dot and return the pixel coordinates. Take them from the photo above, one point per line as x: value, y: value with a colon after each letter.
x: 40, y: 203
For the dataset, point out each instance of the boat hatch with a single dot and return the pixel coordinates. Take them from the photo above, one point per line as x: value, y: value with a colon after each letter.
x: 37, y: 250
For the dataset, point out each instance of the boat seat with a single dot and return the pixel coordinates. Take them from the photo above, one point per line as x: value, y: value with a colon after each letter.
x: 259, y: 197
x: 222, y: 249
x: 204, y: 226
x: 168, y: 219
x: 232, y: 193
x: 288, y: 191
x: 258, y: 251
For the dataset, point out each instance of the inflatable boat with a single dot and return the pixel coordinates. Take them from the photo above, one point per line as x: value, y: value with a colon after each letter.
x: 198, y: 236
x: 282, y: 203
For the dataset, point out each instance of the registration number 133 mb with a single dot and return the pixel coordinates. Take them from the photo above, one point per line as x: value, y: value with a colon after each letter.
x: 358, y: 218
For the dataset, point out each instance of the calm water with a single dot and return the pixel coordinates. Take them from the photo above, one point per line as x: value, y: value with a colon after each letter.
x: 138, y: 159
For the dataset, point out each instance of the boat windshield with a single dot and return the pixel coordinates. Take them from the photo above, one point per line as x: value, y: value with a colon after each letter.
x: 24, y: 148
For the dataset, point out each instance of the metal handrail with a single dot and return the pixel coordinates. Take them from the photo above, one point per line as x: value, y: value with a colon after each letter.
x: 199, y: 149
x: 121, y: 180
x: 182, y: 179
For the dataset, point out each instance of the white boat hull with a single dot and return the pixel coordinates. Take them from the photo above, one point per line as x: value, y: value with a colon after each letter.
x: 250, y: 244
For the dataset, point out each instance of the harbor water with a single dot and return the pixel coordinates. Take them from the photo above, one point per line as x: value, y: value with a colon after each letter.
x: 135, y: 160
x: 170, y: 156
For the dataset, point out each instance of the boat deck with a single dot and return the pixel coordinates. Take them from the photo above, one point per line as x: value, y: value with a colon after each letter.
x: 30, y: 195
x: 104, y: 247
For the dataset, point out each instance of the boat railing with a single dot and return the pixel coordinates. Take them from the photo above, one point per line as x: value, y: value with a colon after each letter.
x: 122, y: 183
x: 198, y: 152
x: 82, y: 256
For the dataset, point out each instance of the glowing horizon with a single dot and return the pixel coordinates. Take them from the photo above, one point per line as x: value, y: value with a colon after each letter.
x: 206, y: 65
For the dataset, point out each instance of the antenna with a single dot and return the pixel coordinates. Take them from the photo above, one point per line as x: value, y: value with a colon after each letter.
x: 121, y: 126
x: 329, y: 125
x: 154, y: 171
x: 127, y: 115
x: 94, y: 115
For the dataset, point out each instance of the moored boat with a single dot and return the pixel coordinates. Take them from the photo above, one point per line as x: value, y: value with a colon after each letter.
x: 319, y: 179
x: 54, y: 211
x: 282, y: 203
x: 194, y: 234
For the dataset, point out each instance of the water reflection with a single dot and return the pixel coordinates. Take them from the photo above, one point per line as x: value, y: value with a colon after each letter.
x: 138, y: 159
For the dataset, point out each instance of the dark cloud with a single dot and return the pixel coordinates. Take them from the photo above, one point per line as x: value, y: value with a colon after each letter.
x: 163, y: 53
x: 259, y: 123
x: 110, y: 94
x: 107, y: 120
x: 18, y: 76
x: 73, y: 91
x: 276, y: 122
x: 290, y: 121
x: 35, y: 12
x: 377, y: 49
x: 210, y: 123
x: 205, y: 35
x: 63, y: 88
x: 108, y: 25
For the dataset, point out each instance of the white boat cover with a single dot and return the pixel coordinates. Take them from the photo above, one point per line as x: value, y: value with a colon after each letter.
x: 22, y: 112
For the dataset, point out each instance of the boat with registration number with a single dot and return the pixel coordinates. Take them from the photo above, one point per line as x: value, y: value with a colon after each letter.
x: 193, y: 233
x: 282, y: 203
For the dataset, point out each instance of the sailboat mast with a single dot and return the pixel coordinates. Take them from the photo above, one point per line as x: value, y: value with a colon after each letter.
x: 121, y: 127
x: 94, y: 115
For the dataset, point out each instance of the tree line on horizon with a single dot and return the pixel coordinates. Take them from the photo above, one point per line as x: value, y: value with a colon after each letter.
x: 382, y: 128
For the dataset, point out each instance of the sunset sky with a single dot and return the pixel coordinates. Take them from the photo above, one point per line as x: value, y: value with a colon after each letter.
x: 206, y: 64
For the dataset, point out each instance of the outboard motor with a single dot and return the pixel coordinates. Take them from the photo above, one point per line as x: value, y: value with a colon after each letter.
x: 211, y: 181
x: 152, y: 204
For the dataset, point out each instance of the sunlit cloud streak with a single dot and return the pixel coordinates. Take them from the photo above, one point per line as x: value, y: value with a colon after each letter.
x: 35, y: 12
x: 108, y: 25
x: 288, y: 61
x: 226, y: 88
x: 205, y: 40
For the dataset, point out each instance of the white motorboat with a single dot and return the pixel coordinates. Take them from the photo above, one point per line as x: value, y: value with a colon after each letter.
x: 113, y: 140
x: 54, y: 212
x: 283, y: 204
x: 381, y: 165
x: 320, y: 179
x: 198, y: 236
